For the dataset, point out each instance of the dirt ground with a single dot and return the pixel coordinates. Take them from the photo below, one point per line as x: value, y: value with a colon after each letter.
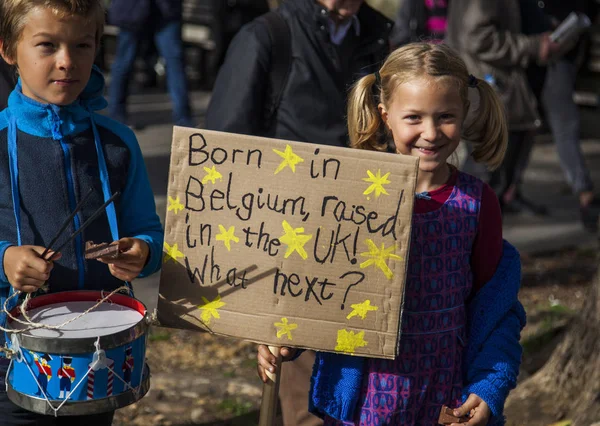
x: 199, y: 379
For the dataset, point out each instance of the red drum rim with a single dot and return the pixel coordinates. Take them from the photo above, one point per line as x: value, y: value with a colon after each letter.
x: 80, y: 296
x: 58, y: 345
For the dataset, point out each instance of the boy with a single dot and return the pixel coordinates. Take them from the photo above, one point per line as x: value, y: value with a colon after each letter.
x: 61, y: 149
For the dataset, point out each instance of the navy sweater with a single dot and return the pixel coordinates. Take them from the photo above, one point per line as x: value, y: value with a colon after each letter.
x: 57, y: 164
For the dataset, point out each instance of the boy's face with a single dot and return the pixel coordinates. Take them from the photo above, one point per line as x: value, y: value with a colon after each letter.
x: 54, y: 56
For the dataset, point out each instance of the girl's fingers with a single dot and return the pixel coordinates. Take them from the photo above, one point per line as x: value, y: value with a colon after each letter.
x: 481, y: 415
x: 265, y: 353
x: 266, y: 363
x: 471, y: 402
x: 262, y: 375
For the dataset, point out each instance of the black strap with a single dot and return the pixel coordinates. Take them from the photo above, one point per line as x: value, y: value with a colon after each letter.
x: 281, y: 61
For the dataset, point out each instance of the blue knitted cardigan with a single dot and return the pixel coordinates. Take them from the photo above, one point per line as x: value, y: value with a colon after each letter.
x: 491, y: 362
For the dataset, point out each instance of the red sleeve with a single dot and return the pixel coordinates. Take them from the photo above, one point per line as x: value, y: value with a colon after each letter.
x: 487, y: 248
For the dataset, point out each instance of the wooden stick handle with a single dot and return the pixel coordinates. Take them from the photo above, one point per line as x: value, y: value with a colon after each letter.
x: 268, y: 406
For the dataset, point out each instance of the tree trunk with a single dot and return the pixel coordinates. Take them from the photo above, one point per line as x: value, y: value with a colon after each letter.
x: 568, y: 386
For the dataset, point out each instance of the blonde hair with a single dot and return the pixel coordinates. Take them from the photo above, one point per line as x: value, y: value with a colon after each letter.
x: 488, y: 131
x: 13, y: 17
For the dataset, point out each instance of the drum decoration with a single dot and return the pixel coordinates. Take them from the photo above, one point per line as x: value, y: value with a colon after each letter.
x: 77, y: 353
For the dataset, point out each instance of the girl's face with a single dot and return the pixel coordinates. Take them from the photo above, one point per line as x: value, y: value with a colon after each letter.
x: 54, y: 56
x: 425, y: 118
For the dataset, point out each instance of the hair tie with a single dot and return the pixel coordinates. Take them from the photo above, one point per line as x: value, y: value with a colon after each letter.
x: 472, y: 81
x: 375, y: 89
x: 377, y: 78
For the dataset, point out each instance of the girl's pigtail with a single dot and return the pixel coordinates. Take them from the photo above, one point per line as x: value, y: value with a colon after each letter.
x: 488, y: 132
x: 364, y: 121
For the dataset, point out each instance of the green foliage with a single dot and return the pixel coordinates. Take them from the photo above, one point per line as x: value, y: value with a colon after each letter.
x: 159, y: 335
x: 235, y: 407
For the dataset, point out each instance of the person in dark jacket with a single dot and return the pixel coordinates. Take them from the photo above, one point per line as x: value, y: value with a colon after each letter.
x: 7, y: 82
x: 333, y: 43
x: 327, y: 58
x: 563, y: 115
x: 136, y: 21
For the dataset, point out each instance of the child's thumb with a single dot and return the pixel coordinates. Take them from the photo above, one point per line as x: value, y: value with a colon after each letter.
x: 466, y: 408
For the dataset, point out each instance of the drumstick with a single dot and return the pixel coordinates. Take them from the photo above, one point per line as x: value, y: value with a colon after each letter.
x: 67, y: 222
x: 89, y: 221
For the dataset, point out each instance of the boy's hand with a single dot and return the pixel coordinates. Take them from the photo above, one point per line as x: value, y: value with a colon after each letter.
x: 476, y: 408
x: 25, y: 269
x: 268, y: 361
x: 131, y: 260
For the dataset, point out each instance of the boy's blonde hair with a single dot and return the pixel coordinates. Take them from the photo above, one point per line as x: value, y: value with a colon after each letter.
x: 13, y: 15
x: 488, y: 130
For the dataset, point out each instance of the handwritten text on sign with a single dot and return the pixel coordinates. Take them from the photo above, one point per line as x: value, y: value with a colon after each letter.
x: 286, y: 243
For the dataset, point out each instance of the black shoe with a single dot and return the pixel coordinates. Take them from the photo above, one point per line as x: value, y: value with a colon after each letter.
x: 521, y: 205
x: 590, y: 214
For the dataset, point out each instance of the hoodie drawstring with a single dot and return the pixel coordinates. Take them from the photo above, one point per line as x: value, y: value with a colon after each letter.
x: 110, y: 209
x: 14, y: 183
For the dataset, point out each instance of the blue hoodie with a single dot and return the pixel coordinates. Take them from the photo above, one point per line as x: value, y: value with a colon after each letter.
x: 51, y: 157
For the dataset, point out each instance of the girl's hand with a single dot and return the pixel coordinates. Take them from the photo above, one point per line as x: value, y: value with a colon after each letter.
x: 132, y: 258
x: 476, y: 408
x: 268, y: 361
x: 25, y: 269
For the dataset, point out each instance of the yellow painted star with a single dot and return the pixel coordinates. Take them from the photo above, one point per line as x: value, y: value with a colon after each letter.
x: 285, y: 329
x: 378, y: 257
x: 294, y: 240
x: 348, y: 341
x: 210, y: 309
x: 377, y: 182
x: 172, y: 252
x: 227, y: 236
x: 175, y: 205
x: 289, y: 159
x: 361, y: 309
x: 211, y: 175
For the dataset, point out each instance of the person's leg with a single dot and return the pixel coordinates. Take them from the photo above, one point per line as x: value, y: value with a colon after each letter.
x: 294, y: 386
x: 170, y: 47
x: 502, y: 179
x: 521, y: 204
x: 120, y: 73
x: 564, y: 121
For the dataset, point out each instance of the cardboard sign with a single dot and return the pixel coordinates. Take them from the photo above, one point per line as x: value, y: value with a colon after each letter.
x: 286, y: 243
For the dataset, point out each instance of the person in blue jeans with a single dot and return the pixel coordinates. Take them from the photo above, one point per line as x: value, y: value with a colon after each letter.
x: 136, y: 21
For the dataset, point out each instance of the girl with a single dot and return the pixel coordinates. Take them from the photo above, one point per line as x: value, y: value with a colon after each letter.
x: 418, y: 101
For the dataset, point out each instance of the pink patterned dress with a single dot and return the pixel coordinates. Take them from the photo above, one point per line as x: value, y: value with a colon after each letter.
x: 411, y: 389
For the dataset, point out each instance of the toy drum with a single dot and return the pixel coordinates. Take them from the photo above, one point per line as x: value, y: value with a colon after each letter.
x: 93, y: 364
